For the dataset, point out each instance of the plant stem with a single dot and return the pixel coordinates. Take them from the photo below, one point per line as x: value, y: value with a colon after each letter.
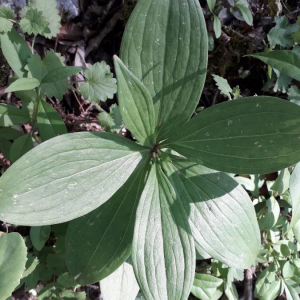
x: 248, y: 284
x: 32, y: 45
x: 35, y: 113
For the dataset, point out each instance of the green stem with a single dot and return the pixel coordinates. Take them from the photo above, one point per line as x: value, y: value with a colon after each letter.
x: 35, y: 113
x: 32, y: 46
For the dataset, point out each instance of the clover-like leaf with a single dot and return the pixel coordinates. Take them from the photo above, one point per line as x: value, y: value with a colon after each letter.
x: 99, y: 83
x: 33, y: 22
x: 5, y: 15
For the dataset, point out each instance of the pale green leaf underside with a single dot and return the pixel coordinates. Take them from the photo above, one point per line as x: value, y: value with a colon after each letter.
x: 13, y: 254
x: 40, y: 68
x: 287, y: 62
x: 66, y: 177
x: 136, y: 105
x: 99, y: 83
x: 120, y: 285
x: 221, y: 214
x: 163, y: 251
x: 49, y: 122
x: 89, y: 259
x: 16, y: 51
x: 11, y: 115
x: 165, y: 46
x: 255, y: 135
x: 23, y: 84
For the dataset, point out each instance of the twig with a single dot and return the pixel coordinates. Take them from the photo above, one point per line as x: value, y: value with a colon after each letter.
x: 96, y: 41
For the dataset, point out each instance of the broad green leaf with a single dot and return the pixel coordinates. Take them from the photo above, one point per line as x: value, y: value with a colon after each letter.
x: 217, y: 26
x: 11, y: 115
x: 271, y: 291
x: 165, y: 46
x: 50, y: 13
x: 20, y: 146
x: 272, y: 215
x: 231, y: 292
x: 281, y: 183
x: 5, y: 15
x: 296, y: 231
x: 243, y: 6
x: 70, y: 295
x: 221, y: 214
x: 120, y: 285
x: 206, y: 286
x: 33, y: 21
x: 61, y: 73
x: 39, y: 236
x: 223, y: 86
x: 163, y: 250
x: 16, y: 51
x: 99, y: 83
x: 9, y: 133
x: 23, y: 84
x: 255, y: 135
x: 211, y: 5
x: 5, y: 146
x: 136, y: 105
x: 295, y: 195
x: 290, y: 292
x: 288, y: 270
x: 285, y: 61
x: 66, y: 177
x: 200, y: 253
x: 264, y: 281
x: 49, y: 122
x: 40, y: 68
x: 111, y: 121
x: 89, y: 259
x: 66, y: 280
x: 12, y: 262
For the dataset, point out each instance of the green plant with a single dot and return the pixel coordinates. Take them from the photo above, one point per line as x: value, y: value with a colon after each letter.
x: 157, y: 199
x: 36, y: 77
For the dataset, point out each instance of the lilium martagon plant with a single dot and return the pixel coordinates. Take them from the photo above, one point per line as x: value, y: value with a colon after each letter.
x: 157, y: 198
